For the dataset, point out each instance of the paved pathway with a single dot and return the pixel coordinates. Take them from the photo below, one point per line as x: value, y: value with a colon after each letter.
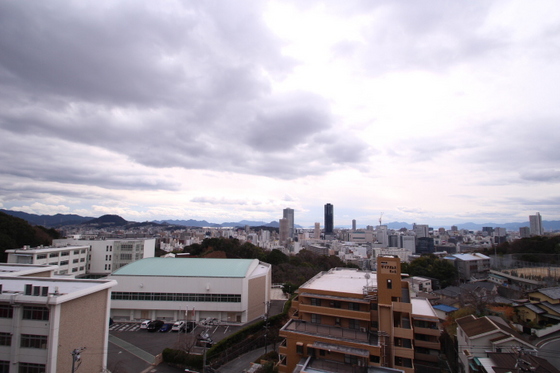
x: 147, y: 357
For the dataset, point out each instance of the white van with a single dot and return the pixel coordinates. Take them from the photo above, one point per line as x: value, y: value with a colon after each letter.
x: 145, y: 324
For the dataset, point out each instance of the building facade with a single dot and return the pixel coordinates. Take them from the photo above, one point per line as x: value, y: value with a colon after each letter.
x: 346, y: 320
x: 70, y: 260
x: 108, y: 255
x: 42, y: 321
x: 191, y: 289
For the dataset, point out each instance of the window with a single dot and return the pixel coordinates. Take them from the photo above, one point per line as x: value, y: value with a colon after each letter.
x: 76, y: 260
x: 34, y: 341
x: 299, y: 348
x: 76, y: 252
x: 65, y: 253
x: 6, y: 311
x: 315, y: 302
x: 53, y: 255
x: 35, y: 313
x: 354, y: 306
x: 41, y: 256
x: 126, y: 256
x: 82, y: 260
x: 316, y: 319
x: 373, y: 306
x: 5, y: 339
x: 4, y: 366
x: 64, y: 262
x: 374, y: 359
x: 31, y: 368
x: 335, y: 304
x: 350, y: 359
x: 353, y: 324
x: 389, y: 284
x: 403, y: 362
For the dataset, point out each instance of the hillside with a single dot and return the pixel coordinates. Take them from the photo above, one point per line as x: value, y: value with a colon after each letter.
x: 16, y: 232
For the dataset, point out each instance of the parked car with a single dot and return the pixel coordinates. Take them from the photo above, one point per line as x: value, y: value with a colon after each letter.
x: 208, y: 342
x: 179, y: 326
x: 155, y: 325
x: 144, y: 324
x: 166, y: 327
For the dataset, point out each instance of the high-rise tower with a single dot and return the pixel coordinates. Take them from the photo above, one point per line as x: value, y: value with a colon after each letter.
x: 329, y: 218
x: 289, y: 215
x: 535, y: 225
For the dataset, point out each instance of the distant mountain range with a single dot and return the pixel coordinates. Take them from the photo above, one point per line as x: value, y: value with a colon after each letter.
x: 59, y: 220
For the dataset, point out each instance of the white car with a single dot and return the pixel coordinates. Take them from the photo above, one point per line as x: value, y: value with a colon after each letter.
x: 145, y: 324
x: 179, y: 326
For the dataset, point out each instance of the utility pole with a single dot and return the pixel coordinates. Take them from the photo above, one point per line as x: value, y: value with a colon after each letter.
x: 76, y: 358
x: 267, y: 306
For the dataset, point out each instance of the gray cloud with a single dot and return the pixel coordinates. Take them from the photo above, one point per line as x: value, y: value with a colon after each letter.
x: 177, y: 86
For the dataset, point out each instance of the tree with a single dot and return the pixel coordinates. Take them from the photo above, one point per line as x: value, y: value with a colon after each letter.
x: 431, y: 266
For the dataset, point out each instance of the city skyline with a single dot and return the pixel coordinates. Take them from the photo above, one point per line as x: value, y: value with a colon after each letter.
x: 423, y: 112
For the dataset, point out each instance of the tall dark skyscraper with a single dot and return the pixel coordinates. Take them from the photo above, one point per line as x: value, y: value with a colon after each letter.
x: 329, y: 218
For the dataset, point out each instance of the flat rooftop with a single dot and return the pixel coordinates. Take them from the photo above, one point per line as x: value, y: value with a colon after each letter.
x: 345, y: 280
x: 13, y: 269
x: 189, y: 267
x: 59, y: 290
x: 45, y: 249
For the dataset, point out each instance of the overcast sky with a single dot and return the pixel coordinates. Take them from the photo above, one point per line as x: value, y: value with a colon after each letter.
x: 434, y: 112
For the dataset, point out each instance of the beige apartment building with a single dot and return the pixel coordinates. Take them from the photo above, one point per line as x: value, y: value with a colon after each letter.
x: 43, y: 320
x: 347, y: 320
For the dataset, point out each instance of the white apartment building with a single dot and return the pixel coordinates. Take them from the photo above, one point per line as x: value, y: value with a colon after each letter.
x: 42, y: 321
x: 108, y: 255
x: 71, y: 260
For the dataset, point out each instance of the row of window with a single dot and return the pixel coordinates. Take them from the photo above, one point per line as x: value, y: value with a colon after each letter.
x: 177, y: 297
x: 23, y: 367
x: 61, y: 253
x: 29, y: 312
x: 26, y: 340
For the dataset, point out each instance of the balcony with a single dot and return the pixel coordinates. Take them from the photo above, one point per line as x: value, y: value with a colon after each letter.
x: 331, y: 332
x: 434, y: 345
x: 317, y: 365
x: 426, y: 357
x: 427, y: 331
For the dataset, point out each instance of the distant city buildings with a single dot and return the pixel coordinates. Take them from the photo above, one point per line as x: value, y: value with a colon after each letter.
x: 535, y: 225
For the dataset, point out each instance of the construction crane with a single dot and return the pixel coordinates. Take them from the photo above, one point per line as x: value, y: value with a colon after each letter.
x: 380, y: 219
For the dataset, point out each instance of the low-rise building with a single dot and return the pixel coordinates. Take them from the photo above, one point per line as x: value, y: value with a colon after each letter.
x: 348, y: 319
x: 229, y: 290
x: 108, y: 255
x: 474, y: 266
x: 70, y: 260
x: 478, y: 336
x: 42, y: 321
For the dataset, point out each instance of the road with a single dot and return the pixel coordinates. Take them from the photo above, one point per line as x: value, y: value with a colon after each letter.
x: 549, y: 351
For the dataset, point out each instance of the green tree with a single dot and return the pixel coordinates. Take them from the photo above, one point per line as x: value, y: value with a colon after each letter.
x: 432, y: 266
